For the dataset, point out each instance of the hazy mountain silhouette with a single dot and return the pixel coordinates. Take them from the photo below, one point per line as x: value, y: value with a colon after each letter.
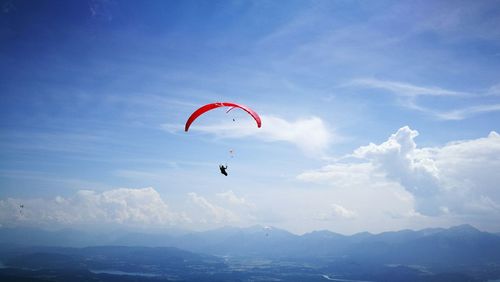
x: 459, y: 244
x: 437, y: 254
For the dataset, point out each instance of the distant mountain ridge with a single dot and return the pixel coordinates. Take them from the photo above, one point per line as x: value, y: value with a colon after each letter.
x: 459, y: 249
x: 459, y: 244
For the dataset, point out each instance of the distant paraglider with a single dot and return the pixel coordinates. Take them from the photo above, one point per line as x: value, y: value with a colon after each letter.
x: 223, y: 169
x: 267, y: 229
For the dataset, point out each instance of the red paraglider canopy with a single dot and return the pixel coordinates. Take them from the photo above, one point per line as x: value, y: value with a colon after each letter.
x: 212, y: 106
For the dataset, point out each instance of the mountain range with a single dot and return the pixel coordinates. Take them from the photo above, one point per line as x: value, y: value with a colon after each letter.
x: 455, y: 245
x: 462, y: 250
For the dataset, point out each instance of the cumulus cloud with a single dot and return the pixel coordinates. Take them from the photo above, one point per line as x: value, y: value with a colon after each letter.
x: 470, y: 168
x: 309, y: 134
x: 134, y: 208
x: 130, y: 207
x: 400, y: 160
x: 459, y: 178
x: 211, y: 213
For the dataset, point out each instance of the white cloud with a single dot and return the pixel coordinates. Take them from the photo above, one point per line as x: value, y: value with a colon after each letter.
x: 335, y: 212
x: 459, y: 179
x: 309, y: 134
x: 129, y: 207
x: 494, y: 90
x: 134, y: 208
x: 410, y: 93
x: 231, y: 198
x: 211, y: 213
x: 470, y: 168
x: 343, y: 174
x: 401, y: 162
x: 464, y: 113
x: 405, y: 89
x: 362, y: 196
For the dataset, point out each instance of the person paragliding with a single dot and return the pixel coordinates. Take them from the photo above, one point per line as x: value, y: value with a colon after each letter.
x: 223, y: 169
x: 212, y: 106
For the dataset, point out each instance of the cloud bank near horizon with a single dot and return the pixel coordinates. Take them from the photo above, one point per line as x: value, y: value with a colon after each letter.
x: 125, y: 207
x: 395, y: 182
x: 458, y: 179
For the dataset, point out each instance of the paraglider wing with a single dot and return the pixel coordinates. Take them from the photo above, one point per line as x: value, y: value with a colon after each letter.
x: 212, y: 106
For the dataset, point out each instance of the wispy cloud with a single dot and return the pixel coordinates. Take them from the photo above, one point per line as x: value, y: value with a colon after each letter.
x: 464, y: 113
x: 405, y: 89
x: 409, y: 97
x: 309, y: 134
x: 494, y: 90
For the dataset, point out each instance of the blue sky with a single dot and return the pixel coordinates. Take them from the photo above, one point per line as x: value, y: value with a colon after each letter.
x: 377, y: 115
